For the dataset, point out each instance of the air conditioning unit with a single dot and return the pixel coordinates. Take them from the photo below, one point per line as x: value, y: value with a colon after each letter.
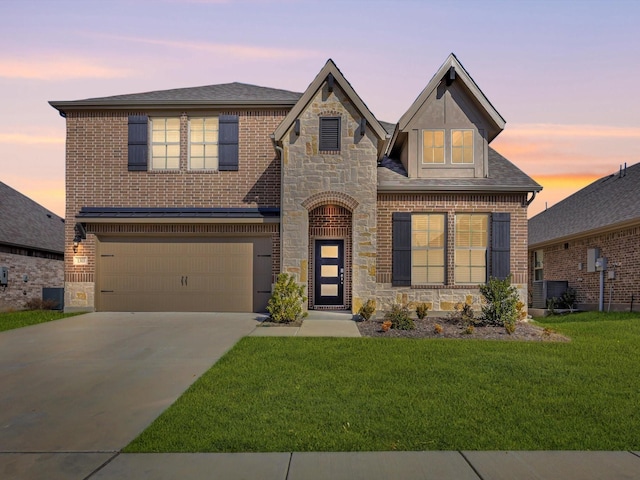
x: 546, y: 289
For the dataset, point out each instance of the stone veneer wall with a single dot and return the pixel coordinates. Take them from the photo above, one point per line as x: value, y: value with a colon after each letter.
x: 97, y: 176
x: 346, y: 178
x: 41, y: 273
x: 443, y: 298
x: 620, y: 247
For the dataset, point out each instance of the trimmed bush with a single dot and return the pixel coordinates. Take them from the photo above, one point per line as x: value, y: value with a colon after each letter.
x: 286, y: 302
x: 500, y: 308
x: 421, y: 310
x: 368, y: 309
x: 400, y: 318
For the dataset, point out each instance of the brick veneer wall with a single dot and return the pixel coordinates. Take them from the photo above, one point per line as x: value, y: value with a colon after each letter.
x: 41, y: 273
x: 444, y: 297
x: 331, y: 222
x: 562, y: 261
x: 97, y: 176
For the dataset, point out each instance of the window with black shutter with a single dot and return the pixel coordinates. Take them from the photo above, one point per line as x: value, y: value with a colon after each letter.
x: 228, y: 143
x: 500, y: 245
x: 329, y: 134
x: 401, y: 259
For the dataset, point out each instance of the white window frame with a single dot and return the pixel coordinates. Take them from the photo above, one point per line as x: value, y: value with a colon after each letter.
x: 427, y: 248
x: 463, y: 147
x: 166, y: 144
x: 538, y: 265
x: 442, y: 149
x: 205, y: 144
x: 469, y: 266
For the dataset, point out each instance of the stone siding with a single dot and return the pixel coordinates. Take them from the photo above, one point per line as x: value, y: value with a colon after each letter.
x: 346, y: 178
x: 41, y: 273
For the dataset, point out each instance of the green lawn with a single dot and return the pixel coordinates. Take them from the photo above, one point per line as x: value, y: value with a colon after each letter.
x: 11, y: 320
x: 338, y: 394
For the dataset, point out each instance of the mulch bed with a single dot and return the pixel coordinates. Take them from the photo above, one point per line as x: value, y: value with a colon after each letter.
x: 426, y: 328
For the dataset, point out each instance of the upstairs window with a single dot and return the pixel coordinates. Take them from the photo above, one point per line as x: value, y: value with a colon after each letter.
x: 329, y: 134
x: 203, y: 143
x: 471, y: 238
x: 165, y: 143
x: 433, y: 146
x: 461, y: 146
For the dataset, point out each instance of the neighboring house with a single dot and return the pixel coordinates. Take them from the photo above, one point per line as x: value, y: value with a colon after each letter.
x: 196, y: 198
x: 31, y: 249
x: 600, y: 221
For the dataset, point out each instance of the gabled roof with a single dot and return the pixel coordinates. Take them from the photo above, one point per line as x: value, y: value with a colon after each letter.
x: 460, y: 75
x: 227, y: 95
x: 609, y: 202
x: 25, y: 223
x: 312, y: 89
x: 504, y: 176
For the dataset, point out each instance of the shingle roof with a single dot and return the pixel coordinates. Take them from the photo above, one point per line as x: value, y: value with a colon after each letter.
x: 223, y: 94
x: 503, y: 176
x: 25, y: 223
x: 609, y: 201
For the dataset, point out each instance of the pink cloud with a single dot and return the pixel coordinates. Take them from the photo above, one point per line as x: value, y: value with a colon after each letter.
x: 57, y: 69
x: 25, y: 139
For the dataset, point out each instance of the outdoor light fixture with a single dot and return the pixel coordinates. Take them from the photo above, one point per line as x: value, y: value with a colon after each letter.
x: 80, y: 235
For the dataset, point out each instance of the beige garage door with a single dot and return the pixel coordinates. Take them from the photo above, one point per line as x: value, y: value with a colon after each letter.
x: 200, y: 274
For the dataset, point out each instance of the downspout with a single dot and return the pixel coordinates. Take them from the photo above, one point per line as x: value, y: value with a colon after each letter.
x: 281, y: 151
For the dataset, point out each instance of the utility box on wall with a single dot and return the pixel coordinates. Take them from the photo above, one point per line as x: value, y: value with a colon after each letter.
x: 4, y: 276
x: 592, y: 257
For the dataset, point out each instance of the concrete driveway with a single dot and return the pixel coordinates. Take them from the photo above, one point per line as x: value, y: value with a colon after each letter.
x: 75, y: 390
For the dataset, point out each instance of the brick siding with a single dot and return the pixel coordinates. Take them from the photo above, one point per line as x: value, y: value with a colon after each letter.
x: 562, y: 262
x: 41, y: 273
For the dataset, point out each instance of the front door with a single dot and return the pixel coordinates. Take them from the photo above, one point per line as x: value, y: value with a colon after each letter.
x: 329, y: 272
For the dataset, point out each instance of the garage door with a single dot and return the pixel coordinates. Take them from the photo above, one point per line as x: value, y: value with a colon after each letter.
x: 200, y: 274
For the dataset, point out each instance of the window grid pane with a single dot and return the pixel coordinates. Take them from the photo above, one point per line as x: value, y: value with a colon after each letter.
x: 433, y: 146
x: 470, y: 256
x: 427, y: 249
x: 165, y: 143
x: 203, y: 143
x: 462, y: 146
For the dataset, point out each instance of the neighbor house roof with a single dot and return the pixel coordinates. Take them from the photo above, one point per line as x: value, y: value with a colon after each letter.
x: 503, y: 176
x: 25, y: 223
x: 609, y: 202
x: 223, y: 95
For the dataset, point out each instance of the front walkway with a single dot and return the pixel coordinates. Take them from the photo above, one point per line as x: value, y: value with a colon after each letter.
x: 318, y: 323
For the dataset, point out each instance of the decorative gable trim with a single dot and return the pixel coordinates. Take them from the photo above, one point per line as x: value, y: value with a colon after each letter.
x: 452, y: 71
x: 328, y: 72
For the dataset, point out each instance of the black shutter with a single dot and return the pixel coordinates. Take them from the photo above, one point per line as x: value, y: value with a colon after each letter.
x: 401, y: 266
x: 138, y: 148
x: 228, y: 143
x: 329, y: 134
x: 500, y: 245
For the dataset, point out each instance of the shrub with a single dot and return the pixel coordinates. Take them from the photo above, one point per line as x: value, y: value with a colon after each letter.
x: 386, y: 325
x: 421, y: 310
x: 469, y: 330
x: 552, y: 304
x: 501, y: 298
x: 399, y: 318
x: 437, y: 329
x: 286, y: 302
x: 462, y: 315
x: 368, y: 309
x: 522, y: 314
x: 36, y: 303
x: 568, y: 299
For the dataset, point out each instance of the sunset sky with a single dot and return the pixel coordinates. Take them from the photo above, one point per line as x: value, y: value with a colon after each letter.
x: 564, y: 74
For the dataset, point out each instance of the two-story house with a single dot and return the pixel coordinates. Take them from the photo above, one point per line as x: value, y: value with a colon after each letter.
x: 195, y: 199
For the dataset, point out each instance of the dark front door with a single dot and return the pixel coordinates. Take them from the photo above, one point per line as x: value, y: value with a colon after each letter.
x: 329, y: 272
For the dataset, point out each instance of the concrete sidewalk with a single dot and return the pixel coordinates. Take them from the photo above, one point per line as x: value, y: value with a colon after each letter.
x: 375, y: 466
